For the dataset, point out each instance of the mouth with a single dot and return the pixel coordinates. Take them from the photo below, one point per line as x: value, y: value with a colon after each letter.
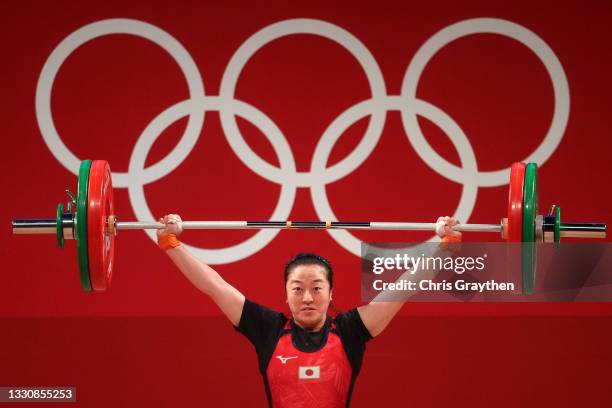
x: 307, y: 309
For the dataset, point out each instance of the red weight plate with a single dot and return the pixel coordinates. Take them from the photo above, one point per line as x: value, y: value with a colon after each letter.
x: 100, y: 241
x: 515, y: 203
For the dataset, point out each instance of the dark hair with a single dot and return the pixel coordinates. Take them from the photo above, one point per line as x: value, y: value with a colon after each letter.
x: 306, y: 258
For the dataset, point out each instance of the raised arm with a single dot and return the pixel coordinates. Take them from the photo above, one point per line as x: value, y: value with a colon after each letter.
x: 203, y: 277
x: 377, y: 315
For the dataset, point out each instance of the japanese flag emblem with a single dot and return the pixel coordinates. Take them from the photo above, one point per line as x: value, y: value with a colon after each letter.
x: 309, y: 373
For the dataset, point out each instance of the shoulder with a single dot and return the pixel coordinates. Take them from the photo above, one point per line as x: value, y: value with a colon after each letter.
x: 256, y: 315
x: 349, y: 324
x: 256, y: 308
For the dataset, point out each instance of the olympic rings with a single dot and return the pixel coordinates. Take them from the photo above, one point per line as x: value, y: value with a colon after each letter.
x: 286, y: 175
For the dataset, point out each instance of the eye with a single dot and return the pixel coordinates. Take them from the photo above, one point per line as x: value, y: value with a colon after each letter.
x: 317, y: 289
x: 296, y: 289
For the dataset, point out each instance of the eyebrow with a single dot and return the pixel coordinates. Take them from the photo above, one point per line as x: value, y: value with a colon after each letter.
x: 299, y: 281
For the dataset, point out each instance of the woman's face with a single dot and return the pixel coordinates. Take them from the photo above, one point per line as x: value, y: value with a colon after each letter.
x: 308, y: 296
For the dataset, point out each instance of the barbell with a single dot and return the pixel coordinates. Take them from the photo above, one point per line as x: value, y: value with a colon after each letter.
x: 90, y: 219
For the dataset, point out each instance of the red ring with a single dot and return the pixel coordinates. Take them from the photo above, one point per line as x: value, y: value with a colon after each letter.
x: 100, y: 241
x: 515, y: 202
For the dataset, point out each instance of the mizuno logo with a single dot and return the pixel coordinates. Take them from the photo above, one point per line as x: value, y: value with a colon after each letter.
x: 284, y: 359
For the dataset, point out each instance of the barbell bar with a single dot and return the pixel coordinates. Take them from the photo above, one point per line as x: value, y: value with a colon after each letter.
x: 49, y: 226
x: 91, y: 221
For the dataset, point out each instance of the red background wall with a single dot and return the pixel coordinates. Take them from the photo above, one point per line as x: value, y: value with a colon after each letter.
x: 153, y: 329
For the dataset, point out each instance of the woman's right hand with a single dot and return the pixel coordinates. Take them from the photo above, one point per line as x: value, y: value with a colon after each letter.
x: 173, y: 223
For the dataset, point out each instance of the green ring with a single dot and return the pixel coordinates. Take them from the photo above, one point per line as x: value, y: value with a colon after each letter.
x: 81, y: 225
x: 58, y: 225
x: 530, y: 202
x: 557, y: 225
x: 528, y: 272
x: 530, y: 208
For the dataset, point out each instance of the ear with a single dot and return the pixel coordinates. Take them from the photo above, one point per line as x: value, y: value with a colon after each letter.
x: 330, y: 294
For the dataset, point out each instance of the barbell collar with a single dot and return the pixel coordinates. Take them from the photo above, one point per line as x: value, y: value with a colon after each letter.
x: 575, y: 229
x: 43, y: 226
x: 34, y: 226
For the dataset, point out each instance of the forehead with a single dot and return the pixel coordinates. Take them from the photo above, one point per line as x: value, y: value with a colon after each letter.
x: 307, y: 273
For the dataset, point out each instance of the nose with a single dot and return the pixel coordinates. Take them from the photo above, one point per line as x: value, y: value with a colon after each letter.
x: 307, y: 297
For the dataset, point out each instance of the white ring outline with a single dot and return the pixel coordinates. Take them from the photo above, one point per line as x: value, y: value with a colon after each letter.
x: 274, y: 32
x: 486, y: 26
x: 244, y: 110
x: 118, y: 26
x: 466, y: 155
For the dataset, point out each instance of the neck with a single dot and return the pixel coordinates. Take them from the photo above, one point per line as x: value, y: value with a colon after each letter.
x: 314, y: 328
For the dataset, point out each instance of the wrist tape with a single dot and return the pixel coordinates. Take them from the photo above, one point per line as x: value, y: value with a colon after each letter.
x: 168, y: 241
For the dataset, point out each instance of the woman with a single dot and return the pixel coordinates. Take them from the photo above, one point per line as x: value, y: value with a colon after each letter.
x: 310, y: 359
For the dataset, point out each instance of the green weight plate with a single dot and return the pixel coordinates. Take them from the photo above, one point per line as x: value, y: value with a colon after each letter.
x: 58, y: 225
x: 81, y: 225
x: 530, y: 202
x: 557, y: 225
x: 528, y: 266
x: 530, y: 209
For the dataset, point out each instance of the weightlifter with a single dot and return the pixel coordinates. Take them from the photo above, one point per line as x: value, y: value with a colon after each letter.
x: 309, y: 359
